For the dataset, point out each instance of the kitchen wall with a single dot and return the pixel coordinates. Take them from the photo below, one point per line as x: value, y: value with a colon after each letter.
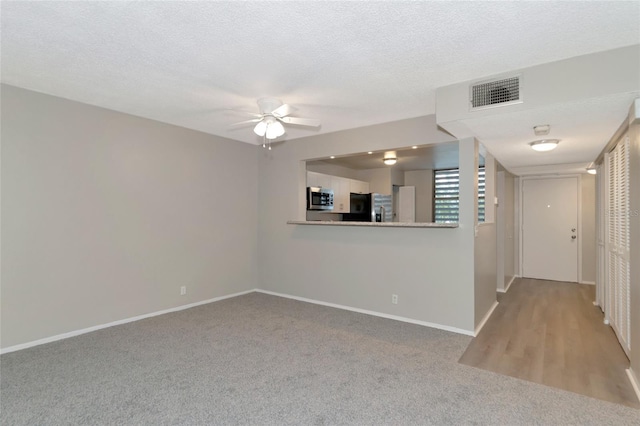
x: 379, y: 179
x: 105, y: 215
x: 431, y: 270
x: 423, y: 181
x: 334, y: 170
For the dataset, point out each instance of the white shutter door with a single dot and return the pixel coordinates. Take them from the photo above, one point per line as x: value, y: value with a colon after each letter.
x: 617, y: 243
x: 623, y: 243
x: 611, y: 232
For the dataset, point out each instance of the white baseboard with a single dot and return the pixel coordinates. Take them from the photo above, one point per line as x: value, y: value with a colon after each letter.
x: 510, y: 282
x: 374, y: 313
x: 634, y: 382
x: 506, y: 289
x: 486, y: 318
x: 588, y: 282
x: 119, y: 322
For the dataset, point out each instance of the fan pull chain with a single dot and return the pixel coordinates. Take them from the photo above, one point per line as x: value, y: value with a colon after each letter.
x: 266, y: 143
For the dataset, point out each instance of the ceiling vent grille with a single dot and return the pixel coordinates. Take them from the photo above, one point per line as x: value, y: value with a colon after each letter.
x: 496, y: 93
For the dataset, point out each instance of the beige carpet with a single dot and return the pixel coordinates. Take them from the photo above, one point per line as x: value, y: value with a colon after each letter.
x: 264, y: 360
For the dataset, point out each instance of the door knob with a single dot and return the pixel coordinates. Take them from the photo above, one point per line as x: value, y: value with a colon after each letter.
x: 573, y: 237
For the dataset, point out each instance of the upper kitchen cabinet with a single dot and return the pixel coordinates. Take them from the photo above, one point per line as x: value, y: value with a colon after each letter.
x: 319, y: 179
x: 341, y: 187
x: 359, y: 187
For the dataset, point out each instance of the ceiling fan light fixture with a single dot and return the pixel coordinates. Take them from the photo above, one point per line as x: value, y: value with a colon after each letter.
x: 275, y: 129
x: 260, y: 128
x: 544, y: 144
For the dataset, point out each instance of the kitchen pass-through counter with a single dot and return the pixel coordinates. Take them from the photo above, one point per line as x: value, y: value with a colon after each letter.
x: 373, y: 224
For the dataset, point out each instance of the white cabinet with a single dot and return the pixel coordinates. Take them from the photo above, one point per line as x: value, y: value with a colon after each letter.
x: 359, y: 187
x: 318, y: 179
x: 341, y: 200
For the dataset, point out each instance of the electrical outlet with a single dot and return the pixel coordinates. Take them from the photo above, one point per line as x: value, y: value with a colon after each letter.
x: 394, y: 299
x: 183, y: 290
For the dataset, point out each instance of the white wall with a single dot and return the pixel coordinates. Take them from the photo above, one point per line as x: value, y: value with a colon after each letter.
x: 105, y: 215
x: 431, y: 270
x: 588, y: 237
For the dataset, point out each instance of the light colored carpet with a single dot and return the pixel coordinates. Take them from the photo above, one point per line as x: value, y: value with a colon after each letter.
x: 264, y: 360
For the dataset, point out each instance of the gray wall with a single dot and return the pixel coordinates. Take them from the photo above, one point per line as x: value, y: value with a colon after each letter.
x: 431, y: 270
x: 485, y: 247
x: 105, y: 215
x: 588, y: 241
x: 485, y: 270
x: 510, y: 247
x: 634, y: 192
x: 505, y: 230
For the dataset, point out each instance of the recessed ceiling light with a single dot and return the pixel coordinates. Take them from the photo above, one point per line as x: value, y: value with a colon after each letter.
x: 370, y: 152
x: 414, y: 147
x: 592, y: 170
x: 544, y: 144
x: 332, y: 157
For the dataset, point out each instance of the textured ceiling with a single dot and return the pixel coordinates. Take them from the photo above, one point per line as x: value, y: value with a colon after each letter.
x: 349, y: 64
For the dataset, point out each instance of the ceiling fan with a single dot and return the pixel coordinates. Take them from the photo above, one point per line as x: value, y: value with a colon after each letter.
x: 272, y: 114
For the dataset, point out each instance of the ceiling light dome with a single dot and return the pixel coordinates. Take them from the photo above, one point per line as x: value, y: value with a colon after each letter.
x: 269, y: 127
x: 390, y: 158
x: 544, y: 144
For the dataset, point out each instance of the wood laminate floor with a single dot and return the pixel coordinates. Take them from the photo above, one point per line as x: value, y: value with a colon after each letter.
x: 550, y: 332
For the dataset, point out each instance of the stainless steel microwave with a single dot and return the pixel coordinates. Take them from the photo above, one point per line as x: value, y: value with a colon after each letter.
x: 319, y: 198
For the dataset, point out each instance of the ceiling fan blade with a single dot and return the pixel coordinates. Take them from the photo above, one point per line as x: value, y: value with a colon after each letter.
x: 282, y: 111
x: 239, y: 111
x: 246, y: 122
x: 301, y: 121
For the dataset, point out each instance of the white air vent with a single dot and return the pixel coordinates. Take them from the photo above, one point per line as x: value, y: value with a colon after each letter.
x: 492, y: 93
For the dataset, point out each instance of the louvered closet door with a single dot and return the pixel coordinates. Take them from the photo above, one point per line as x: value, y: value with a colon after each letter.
x: 618, y: 245
x: 610, y: 239
x: 622, y: 238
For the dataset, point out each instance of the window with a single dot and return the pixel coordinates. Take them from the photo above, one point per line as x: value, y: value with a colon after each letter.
x: 446, y: 195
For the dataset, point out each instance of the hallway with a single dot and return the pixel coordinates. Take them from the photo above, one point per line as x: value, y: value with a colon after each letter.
x: 550, y: 332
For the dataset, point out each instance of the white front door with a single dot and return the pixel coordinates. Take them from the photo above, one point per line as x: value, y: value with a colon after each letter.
x: 550, y: 229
